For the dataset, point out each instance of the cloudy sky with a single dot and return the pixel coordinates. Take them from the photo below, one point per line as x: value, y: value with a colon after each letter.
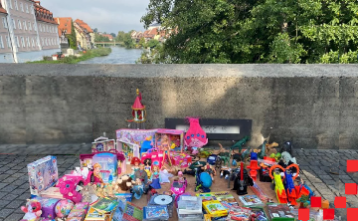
x: 108, y: 16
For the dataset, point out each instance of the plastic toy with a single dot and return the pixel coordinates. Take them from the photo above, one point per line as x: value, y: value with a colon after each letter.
x: 240, y: 143
x: 178, y: 188
x: 203, y: 181
x: 212, y: 159
x: 146, y: 145
x: 278, y: 184
x: 148, y: 166
x: 204, y: 153
x: 32, y: 210
x: 224, y: 155
x: 165, y: 147
x: 212, y: 172
x: 242, y: 180
x: 253, y: 169
x: 155, y: 178
x: 63, y: 208
x: 195, y: 136
x: 138, y: 189
x: 135, y: 165
x: 138, y: 113
x: 68, y: 185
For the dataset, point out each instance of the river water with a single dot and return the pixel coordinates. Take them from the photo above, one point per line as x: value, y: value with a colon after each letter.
x: 119, y: 55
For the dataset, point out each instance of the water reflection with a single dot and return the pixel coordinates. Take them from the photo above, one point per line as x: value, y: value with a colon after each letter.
x: 119, y: 55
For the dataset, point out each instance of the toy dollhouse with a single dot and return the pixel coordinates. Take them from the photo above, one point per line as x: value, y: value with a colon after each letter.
x: 138, y: 113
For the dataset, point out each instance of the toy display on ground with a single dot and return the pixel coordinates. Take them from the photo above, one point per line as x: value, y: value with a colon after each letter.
x: 265, y: 186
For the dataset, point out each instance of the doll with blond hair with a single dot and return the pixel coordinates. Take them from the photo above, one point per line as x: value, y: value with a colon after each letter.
x: 155, y: 178
x: 165, y: 146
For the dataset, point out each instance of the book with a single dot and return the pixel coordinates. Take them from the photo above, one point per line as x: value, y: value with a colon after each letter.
x: 105, y: 205
x: 94, y: 215
x: 118, y: 213
x: 126, y: 196
x: 155, y: 213
x: 132, y: 212
x: 280, y: 212
x: 251, y: 200
x: 52, y: 192
x: 189, y: 205
x: 215, y: 208
x: 223, y: 196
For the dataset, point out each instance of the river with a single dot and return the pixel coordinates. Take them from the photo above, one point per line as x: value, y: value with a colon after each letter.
x: 119, y: 55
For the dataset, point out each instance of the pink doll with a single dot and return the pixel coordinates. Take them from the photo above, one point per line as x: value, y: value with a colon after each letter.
x: 181, y: 178
x: 32, y: 210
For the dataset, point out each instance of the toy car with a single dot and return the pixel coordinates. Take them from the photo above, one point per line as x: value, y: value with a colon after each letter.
x: 178, y: 188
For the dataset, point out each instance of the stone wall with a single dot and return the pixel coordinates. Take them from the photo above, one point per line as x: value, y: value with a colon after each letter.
x: 312, y: 105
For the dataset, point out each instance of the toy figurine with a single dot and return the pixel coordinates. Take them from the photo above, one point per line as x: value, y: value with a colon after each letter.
x: 195, y: 136
x: 138, y: 189
x: 135, y: 165
x: 181, y: 178
x: 165, y: 146
x: 124, y: 183
x: 224, y: 155
x: 155, y: 178
x: 212, y: 172
x: 32, y: 210
x: 148, y: 166
x: 242, y: 180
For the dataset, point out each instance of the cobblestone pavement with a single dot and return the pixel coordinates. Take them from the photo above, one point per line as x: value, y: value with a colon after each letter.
x: 319, y: 168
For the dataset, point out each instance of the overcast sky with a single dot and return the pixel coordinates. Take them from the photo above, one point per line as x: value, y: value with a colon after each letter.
x: 108, y: 16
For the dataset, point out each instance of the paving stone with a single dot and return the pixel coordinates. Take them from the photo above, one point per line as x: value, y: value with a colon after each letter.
x: 9, y: 180
x: 5, y: 213
x: 10, y: 196
x: 4, y: 203
x: 24, y: 196
x: 15, y: 204
x: 9, y: 188
x: 14, y: 216
x: 18, y: 182
x: 2, y: 194
x: 19, y: 191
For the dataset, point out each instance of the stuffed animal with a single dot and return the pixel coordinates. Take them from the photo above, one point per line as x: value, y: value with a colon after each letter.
x: 125, y: 183
x: 32, y: 210
x: 68, y: 185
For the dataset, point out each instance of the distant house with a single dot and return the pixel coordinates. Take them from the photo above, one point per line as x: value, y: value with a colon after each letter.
x: 110, y: 37
x: 64, y: 30
x: 84, y: 34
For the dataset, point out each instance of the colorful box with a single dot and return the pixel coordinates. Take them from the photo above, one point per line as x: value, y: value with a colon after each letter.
x: 215, y: 208
x: 176, y: 139
x: 108, y: 162
x: 79, y: 211
x: 104, y: 145
x: 181, y: 159
x: 43, y: 174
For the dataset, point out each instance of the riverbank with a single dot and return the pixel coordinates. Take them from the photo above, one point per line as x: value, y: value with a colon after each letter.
x: 86, y: 55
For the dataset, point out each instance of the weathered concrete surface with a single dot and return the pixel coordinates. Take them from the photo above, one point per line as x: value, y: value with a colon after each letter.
x: 76, y: 103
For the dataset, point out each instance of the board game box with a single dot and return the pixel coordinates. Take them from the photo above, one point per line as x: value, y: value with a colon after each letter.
x: 155, y: 213
x: 132, y: 213
x: 260, y: 213
x: 280, y: 212
x: 251, y: 200
x: 215, y: 208
x: 223, y: 196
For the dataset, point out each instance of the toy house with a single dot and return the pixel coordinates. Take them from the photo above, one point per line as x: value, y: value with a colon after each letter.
x: 138, y: 113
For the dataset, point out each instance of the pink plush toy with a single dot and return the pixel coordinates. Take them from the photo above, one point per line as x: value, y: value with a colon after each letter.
x: 68, y: 185
x: 32, y: 210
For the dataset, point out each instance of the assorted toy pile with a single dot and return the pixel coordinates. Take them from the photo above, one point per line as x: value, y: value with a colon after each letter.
x: 112, y: 180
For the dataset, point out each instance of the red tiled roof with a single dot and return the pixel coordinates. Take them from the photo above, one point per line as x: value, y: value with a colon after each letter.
x: 2, y: 10
x: 110, y: 37
x: 42, y: 14
x: 64, y: 24
x: 84, y: 25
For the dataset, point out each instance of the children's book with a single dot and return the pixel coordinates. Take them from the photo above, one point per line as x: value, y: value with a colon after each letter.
x: 223, y: 196
x: 105, y: 205
x: 215, y: 208
x: 155, y: 213
x: 126, y: 196
x: 118, y: 214
x: 132, y: 212
x: 251, y: 200
x: 189, y: 205
x: 94, y: 215
x: 280, y: 212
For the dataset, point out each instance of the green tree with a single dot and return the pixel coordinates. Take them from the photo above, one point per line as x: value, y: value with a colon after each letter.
x: 141, y: 42
x: 95, y: 30
x: 152, y: 43
x: 114, y: 35
x: 72, y: 39
x: 128, y: 41
x: 260, y: 31
x: 101, y: 38
x: 120, y: 36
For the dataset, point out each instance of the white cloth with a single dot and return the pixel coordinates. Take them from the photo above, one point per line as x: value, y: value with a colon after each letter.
x: 164, y: 176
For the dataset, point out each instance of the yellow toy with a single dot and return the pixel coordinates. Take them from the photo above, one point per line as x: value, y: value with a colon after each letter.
x: 215, y: 208
x: 277, y: 180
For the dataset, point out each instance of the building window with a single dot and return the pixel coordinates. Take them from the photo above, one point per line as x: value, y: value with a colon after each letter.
x: 22, y: 6
x: 8, y: 41
x: 10, y: 3
x: 25, y: 26
x: 28, y: 42
x: 16, y: 6
x: 13, y: 22
x: 17, y: 41
x: 1, y: 43
x: 46, y: 43
x: 19, y: 24
x: 32, y: 9
x: 30, y: 27
x: 42, y: 41
x: 27, y: 8
x: 33, y: 43
x: 40, y: 28
x: 23, y: 42
x: 47, y: 28
x: 35, y: 27
x: 4, y: 22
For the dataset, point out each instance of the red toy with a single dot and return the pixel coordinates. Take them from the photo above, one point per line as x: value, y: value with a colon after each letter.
x: 68, y: 185
x: 253, y: 169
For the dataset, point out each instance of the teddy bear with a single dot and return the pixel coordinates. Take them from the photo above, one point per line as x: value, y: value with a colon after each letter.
x: 124, y: 183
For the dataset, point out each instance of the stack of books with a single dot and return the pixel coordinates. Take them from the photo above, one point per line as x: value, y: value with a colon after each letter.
x: 102, y: 210
x: 190, y: 208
